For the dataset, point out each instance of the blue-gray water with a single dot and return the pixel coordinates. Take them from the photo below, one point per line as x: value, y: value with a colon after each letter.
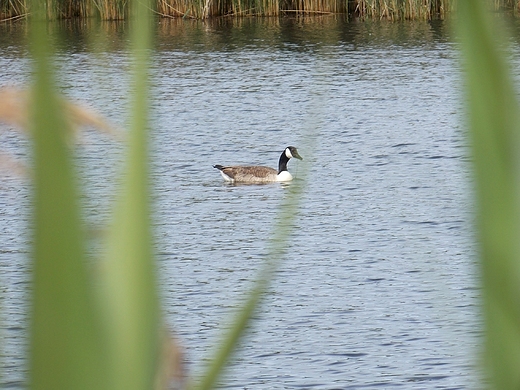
x: 379, y: 286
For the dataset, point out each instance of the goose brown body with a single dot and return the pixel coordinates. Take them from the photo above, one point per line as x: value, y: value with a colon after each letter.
x: 260, y: 174
x: 248, y: 173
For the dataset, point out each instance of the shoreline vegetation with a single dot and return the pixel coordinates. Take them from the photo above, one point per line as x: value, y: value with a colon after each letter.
x: 12, y: 10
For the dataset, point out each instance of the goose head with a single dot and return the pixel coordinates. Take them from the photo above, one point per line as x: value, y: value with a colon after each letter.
x: 291, y: 152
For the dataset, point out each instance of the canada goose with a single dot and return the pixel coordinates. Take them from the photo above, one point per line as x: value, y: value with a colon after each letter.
x: 258, y: 174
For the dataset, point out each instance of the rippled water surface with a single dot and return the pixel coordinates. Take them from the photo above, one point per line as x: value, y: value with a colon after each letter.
x: 378, y: 288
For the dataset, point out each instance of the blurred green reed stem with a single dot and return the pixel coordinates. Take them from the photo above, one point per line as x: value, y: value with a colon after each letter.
x: 66, y: 337
x: 130, y: 288
x: 494, y: 119
x: 82, y: 337
x: 277, y: 247
x: 276, y: 250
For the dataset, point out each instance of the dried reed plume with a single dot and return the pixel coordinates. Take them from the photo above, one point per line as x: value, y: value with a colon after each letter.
x: 15, y: 111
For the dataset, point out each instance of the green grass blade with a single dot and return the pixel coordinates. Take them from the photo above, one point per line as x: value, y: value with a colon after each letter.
x: 65, y: 333
x: 277, y: 248
x: 129, y: 277
x: 494, y: 130
x: 279, y: 242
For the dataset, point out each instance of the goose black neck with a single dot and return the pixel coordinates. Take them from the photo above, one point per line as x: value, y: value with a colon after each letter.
x: 282, y: 163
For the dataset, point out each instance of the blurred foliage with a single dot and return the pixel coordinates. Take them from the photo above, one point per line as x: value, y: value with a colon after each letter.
x: 494, y: 119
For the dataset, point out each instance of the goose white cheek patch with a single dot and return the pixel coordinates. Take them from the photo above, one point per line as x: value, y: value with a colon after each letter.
x: 288, y: 153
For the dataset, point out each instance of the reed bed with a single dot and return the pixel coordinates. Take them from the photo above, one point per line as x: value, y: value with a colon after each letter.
x: 202, y: 9
x: 111, y: 9
x: 404, y: 9
x: 12, y: 9
x: 60, y: 9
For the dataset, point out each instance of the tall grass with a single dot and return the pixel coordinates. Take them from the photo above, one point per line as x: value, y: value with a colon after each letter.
x: 402, y: 9
x: 88, y: 334
x: 62, y: 9
x: 111, y: 10
x: 201, y: 9
x: 13, y: 9
x: 494, y: 119
x: 66, y: 338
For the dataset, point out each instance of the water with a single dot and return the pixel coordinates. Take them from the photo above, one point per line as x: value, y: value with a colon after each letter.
x: 378, y: 288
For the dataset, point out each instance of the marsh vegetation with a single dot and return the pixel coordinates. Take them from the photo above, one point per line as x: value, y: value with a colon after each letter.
x: 200, y: 9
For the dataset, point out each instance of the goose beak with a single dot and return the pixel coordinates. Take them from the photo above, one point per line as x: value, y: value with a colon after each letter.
x: 296, y: 155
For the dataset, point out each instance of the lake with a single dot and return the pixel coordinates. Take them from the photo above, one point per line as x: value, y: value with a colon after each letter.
x: 379, y: 287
